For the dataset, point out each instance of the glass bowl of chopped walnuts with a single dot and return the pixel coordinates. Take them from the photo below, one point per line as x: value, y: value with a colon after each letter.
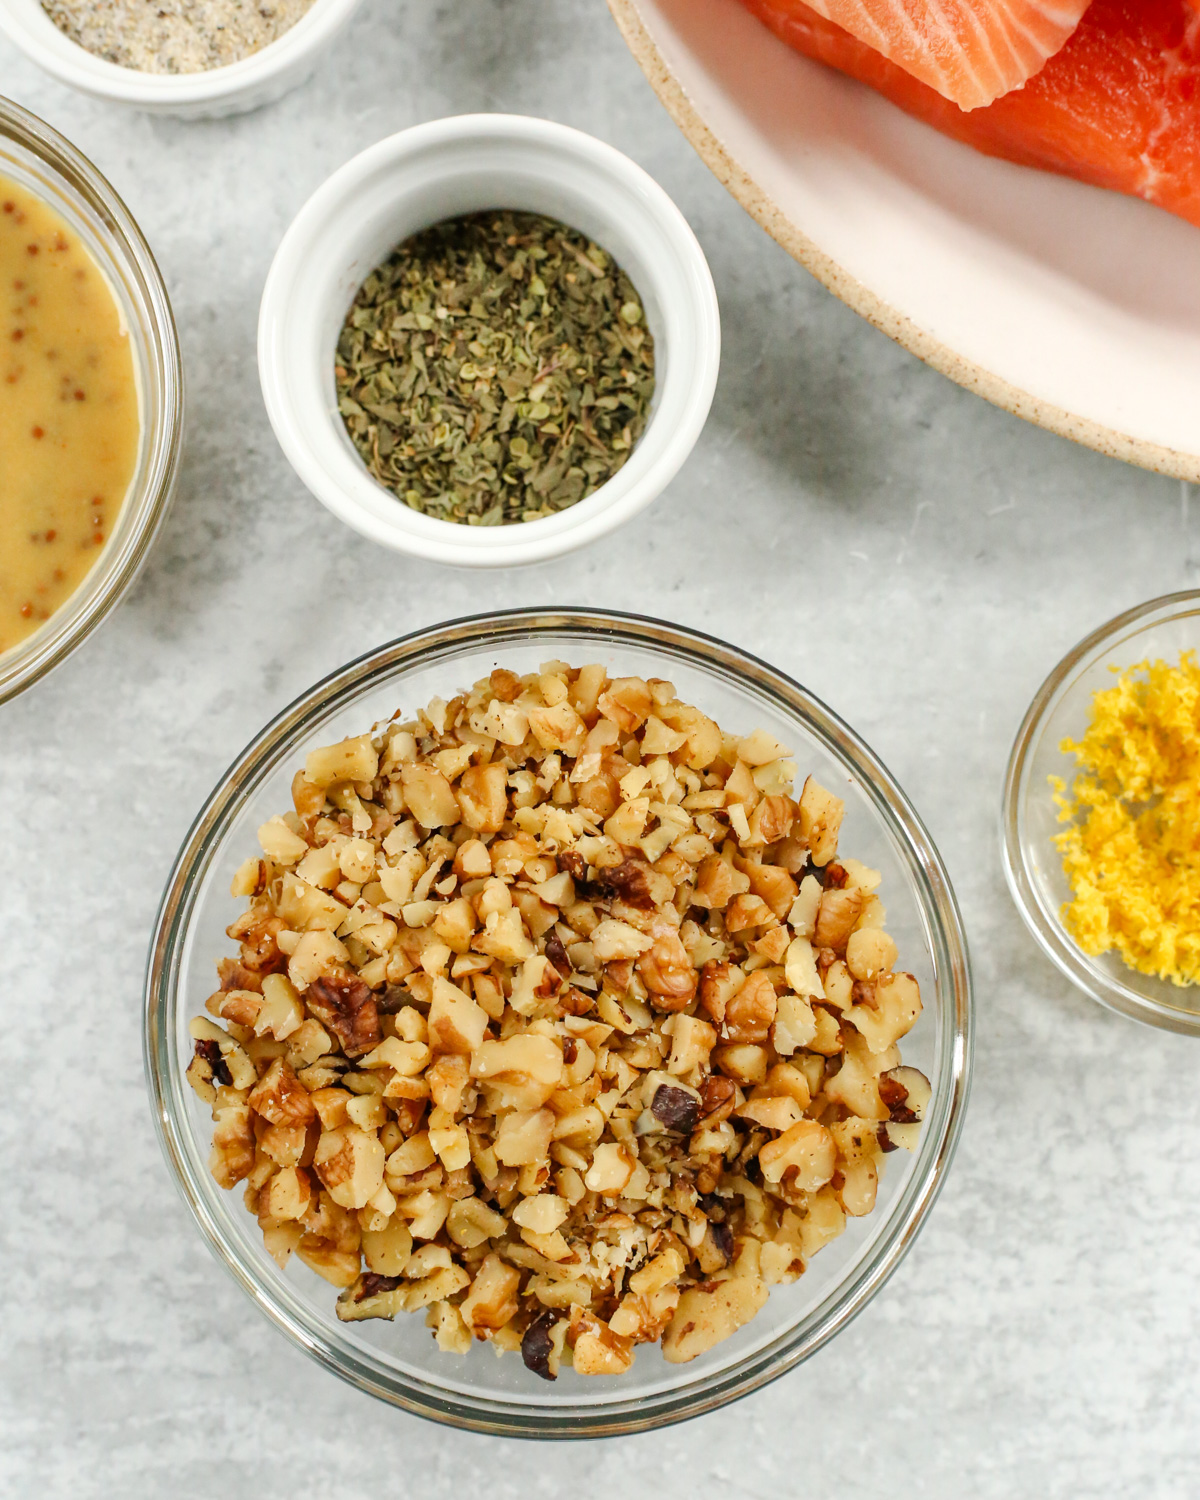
x: 1100, y: 805
x: 588, y: 991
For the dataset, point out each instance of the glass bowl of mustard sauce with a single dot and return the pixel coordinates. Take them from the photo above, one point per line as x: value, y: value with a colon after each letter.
x: 91, y: 399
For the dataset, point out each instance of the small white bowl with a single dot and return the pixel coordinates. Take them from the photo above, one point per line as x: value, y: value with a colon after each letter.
x: 259, y: 79
x: 434, y: 172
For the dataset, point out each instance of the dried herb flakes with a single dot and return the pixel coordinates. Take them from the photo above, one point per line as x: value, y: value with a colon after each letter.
x: 495, y: 368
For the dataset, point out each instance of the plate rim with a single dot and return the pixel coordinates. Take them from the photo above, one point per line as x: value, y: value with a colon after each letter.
x: 898, y: 326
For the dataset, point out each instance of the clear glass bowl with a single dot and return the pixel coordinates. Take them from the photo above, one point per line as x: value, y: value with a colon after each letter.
x: 1062, y: 709
x: 399, y: 1361
x: 47, y: 165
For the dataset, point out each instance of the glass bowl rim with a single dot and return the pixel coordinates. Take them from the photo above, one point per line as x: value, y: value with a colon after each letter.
x: 1049, y: 935
x: 105, y: 585
x: 953, y: 987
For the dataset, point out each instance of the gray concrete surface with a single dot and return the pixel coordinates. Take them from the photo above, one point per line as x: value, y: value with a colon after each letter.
x: 917, y: 558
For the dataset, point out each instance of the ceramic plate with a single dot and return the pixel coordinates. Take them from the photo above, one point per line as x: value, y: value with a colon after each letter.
x: 1076, y: 308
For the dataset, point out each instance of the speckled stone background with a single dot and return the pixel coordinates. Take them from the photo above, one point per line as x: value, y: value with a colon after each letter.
x: 917, y: 558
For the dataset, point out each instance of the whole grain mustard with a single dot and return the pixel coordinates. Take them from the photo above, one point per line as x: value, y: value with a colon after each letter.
x: 69, y: 423
x: 1132, y: 851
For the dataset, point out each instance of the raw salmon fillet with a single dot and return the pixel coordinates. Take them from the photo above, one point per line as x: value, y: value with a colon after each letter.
x: 1118, y: 106
x: 970, y: 51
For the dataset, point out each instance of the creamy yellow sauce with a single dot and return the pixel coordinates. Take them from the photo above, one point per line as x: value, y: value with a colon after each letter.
x: 69, y: 424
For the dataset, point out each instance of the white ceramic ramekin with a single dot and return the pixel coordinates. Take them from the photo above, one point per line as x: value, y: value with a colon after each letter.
x: 433, y: 172
x: 258, y: 79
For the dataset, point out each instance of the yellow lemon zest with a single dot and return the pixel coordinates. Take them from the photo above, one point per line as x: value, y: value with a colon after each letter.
x: 1132, y: 851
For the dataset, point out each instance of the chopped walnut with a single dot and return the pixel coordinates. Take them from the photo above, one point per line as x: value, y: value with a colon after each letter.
x: 558, y: 1016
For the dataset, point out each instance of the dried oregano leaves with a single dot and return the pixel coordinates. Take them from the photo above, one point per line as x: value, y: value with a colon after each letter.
x: 495, y: 368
